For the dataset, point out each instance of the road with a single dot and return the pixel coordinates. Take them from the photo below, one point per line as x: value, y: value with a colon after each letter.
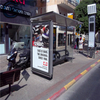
x: 87, y: 88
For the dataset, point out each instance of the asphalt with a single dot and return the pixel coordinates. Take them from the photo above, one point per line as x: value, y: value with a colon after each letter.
x: 34, y: 87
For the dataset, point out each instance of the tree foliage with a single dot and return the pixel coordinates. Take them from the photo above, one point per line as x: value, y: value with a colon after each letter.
x: 82, y: 15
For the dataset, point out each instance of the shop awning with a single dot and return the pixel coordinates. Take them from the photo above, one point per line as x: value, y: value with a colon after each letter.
x: 58, y: 19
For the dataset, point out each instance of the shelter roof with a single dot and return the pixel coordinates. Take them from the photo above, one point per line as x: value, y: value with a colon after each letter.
x: 57, y: 19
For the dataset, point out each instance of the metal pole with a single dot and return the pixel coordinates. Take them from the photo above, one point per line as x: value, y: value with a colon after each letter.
x: 31, y: 49
x: 66, y: 38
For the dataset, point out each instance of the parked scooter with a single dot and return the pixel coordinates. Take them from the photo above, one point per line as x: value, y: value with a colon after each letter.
x: 24, y: 59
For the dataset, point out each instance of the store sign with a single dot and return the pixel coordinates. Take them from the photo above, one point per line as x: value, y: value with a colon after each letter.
x: 20, y: 1
x: 11, y: 7
x: 70, y: 15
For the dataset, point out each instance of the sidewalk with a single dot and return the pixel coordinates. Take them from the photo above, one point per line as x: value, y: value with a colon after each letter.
x: 39, y: 88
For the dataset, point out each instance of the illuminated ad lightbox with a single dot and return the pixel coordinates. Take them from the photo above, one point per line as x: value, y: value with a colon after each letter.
x: 91, y: 42
x: 42, y: 48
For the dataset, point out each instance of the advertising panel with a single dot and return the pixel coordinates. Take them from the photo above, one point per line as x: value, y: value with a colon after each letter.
x: 91, y: 31
x: 91, y: 39
x: 41, y: 60
x: 42, y: 46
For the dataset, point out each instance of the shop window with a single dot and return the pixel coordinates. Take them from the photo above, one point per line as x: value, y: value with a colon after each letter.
x: 2, y: 35
x: 20, y: 33
x: 2, y: 39
x: 24, y: 35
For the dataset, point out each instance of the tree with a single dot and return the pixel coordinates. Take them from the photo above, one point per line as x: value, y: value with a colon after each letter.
x: 81, y: 14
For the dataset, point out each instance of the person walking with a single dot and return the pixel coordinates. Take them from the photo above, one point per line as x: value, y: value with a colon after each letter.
x: 80, y: 44
x: 77, y: 42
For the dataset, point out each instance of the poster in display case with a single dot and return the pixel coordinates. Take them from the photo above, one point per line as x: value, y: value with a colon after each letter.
x: 42, y: 48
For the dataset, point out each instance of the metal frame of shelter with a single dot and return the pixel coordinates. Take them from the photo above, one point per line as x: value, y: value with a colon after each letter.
x: 42, y: 58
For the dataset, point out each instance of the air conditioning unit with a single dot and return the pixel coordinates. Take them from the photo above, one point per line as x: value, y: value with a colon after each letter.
x: 91, y: 9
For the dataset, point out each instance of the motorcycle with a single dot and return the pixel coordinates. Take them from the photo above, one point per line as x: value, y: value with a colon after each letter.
x: 23, y: 62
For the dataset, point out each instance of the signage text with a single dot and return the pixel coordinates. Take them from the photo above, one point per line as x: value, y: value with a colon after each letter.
x: 14, y: 10
x: 20, y: 1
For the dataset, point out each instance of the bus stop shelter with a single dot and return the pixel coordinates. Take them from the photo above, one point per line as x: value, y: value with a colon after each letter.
x: 49, y: 41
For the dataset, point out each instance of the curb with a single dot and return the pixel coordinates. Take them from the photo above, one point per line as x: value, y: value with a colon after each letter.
x: 67, y: 86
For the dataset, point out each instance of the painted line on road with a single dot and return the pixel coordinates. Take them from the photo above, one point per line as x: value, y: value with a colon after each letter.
x: 88, y: 69
x: 57, y: 94
x: 92, y: 65
x: 62, y: 90
x: 78, y: 77
x: 69, y: 84
x: 84, y: 72
x: 98, y: 61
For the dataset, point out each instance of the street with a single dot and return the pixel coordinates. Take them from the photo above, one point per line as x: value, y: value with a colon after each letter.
x: 87, y: 88
x: 34, y: 89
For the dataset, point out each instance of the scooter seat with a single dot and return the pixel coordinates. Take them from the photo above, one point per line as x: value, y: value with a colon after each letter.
x: 22, y: 55
x: 25, y: 53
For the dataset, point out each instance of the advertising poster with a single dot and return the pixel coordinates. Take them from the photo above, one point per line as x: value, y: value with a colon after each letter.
x: 91, y: 39
x: 91, y: 31
x: 40, y: 45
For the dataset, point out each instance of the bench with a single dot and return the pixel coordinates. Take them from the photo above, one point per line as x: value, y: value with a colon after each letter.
x: 9, y: 77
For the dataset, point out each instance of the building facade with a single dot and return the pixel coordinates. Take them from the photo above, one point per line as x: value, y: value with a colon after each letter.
x: 64, y: 7
x: 59, y: 6
x: 15, y: 18
x: 15, y: 22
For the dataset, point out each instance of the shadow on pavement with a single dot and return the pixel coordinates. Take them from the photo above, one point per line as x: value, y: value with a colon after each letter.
x: 59, y: 61
x: 83, y: 54
x: 14, y: 88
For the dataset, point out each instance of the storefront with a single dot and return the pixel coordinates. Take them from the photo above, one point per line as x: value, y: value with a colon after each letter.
x: 15, y: 22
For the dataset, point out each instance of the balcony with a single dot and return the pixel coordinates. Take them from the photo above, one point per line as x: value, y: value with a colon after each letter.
x: 68, y: 3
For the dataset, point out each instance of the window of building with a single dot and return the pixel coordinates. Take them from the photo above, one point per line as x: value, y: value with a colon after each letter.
x: 2, y: 39
x: 2, y: 34
x: 19, y: 33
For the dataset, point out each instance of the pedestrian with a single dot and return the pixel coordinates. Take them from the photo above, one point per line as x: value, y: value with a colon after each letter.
x: 81, y: 44
x: 77, y: 42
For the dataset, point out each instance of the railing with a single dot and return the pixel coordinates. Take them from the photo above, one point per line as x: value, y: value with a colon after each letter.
x: 73, y: 2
